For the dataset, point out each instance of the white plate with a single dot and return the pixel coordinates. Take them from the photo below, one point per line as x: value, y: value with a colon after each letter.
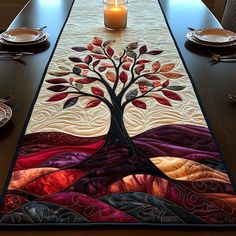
x: 23, y: 35
x: 8, y: 113
x: 214, y: 35
x: 2, y: 114
x: 3, y: 41
x: 191, y: 38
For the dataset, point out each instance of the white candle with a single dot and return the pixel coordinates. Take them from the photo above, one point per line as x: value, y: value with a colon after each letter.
x: 115, y: 15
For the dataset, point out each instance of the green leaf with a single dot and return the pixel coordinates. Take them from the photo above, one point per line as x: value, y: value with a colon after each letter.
x: 98, y: 51
x: 131, y: 54
x: 108, y: 43
x: 132, y: 94
x: 64, y: 68
x: 175, y: 88
x: 76, y: 70
x: 78, y: 86
x: 70, y: 102
x: 148, y: 83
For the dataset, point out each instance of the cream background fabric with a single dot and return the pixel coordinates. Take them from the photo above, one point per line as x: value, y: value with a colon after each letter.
x: 146, y: 25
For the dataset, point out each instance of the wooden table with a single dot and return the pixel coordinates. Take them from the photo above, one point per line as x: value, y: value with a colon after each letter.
x: 212, y: 82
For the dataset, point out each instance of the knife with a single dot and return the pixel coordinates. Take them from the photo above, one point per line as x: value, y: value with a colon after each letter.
x: 16, y: 52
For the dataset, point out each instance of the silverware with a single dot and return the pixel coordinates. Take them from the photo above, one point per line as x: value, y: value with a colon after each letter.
x: 41, y: 28
x: 232, y: 97
x: 191, y: 29
x: 16, y: 52
x: 11, y: 56
x: 219, y: 58
x: 6, y: 99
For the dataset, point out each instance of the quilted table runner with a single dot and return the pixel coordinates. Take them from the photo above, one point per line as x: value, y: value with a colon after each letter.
x: 116, y: 135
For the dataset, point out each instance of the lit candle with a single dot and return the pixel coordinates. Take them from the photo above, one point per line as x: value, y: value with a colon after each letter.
x: 115, y: 14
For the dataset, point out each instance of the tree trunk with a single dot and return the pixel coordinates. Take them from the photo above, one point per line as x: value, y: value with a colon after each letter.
x: 119, y: 137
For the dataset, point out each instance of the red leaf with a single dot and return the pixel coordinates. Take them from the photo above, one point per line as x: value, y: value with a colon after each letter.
x: 90, y: 47
x: 79, y: 49
x: 123, y: 77
x: 171, y: 95
x: 93, y: 103
x: 154, y: 52
x: 152, y: 77
x: 75, y: 59
x: 107, y: 65
x: 139, y: 104
x: 124, y: 58
x: 139, y: 69
x: 97, y: 91
x: 101, y: 68
x: 58, y: 88
x: 97, y: 41
x: 143, y: 49
x: 82, y: 66
x: 59, y: 73
x: 111, y: 76
x: 142, y: 62
x: 84, y: 81
x: 162, y: 101
x: 71, y: 80
x: 156, y: 66
x: 126, y: 66
x: 132, y: 46
x: 166, y: 83
x: 167, y: 67
x: 88, y: 59
x: 98, y: 56
x: 156, y: 84
x: 129, y: 59
x: 110, y: 51
x: 172, y: 75
x: 143, y: 87
x: 57, y: 97
x: 96, y: 63
x: 84, y: 72
x: 57, y: 81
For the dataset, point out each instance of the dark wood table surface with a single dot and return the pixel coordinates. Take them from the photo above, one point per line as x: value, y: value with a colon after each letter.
x: 212, y: 83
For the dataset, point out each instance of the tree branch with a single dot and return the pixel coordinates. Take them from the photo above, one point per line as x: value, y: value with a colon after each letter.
x: 103, y: 99
x: 141, y: 96
x: 118, y: 70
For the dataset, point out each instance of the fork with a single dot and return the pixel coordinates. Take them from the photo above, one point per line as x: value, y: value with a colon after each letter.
x: 11, y: 57
x: 218, y: 58
x: 6, y: 99
x: 232, y: 97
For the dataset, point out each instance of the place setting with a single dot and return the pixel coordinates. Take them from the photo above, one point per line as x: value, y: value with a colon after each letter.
x: 212, y: 37
x: 24, y: 36
x: 218, y: 41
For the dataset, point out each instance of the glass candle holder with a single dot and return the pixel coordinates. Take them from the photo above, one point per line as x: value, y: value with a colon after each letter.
x: 115, y: 14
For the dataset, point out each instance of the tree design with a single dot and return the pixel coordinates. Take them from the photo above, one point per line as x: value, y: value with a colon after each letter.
x: 124, y: 78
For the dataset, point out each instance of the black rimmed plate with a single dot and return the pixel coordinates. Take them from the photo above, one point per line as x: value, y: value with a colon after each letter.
x: 23, y: 35
x: 43, y: 39
x: 214, y: 35
x: 190, y: 36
